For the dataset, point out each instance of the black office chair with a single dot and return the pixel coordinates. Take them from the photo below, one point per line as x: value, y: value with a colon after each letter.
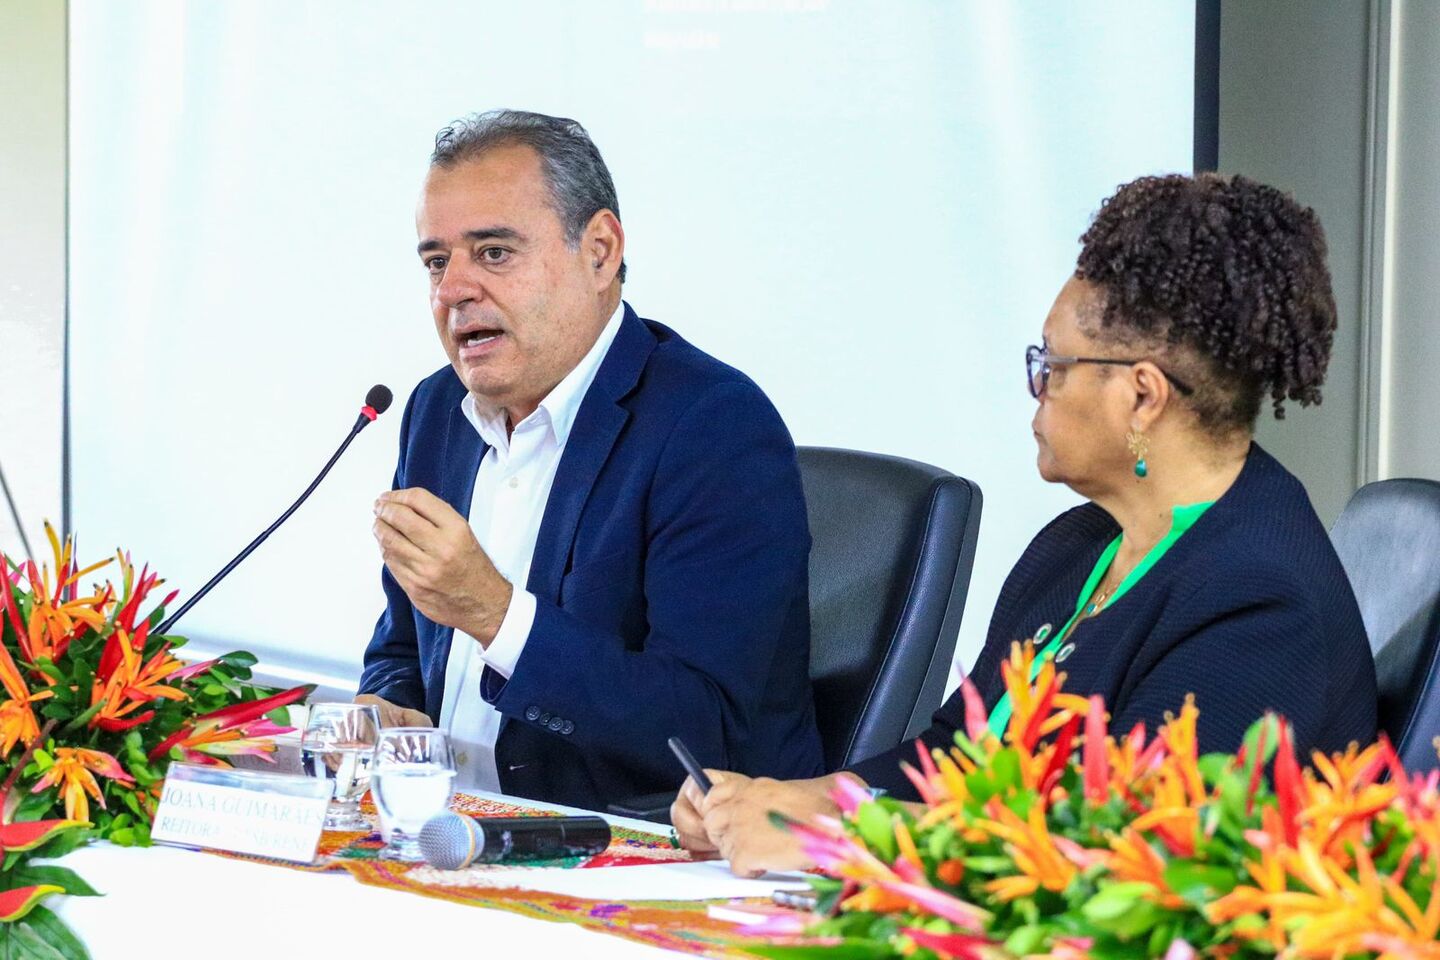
x: 893, y: 546
x: 1388, y: 538
x: 893, y: 543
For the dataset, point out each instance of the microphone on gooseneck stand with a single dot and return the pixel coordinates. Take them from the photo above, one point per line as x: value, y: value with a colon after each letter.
x: 377, y: 401
x: 453, y: 841
x: 15, y: 515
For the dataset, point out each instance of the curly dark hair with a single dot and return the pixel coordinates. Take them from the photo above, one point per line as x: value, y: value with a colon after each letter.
x: 1227, y: 278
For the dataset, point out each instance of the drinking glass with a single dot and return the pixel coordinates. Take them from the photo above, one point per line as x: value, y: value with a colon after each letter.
x: 412, y: 779
x: 338, y: 745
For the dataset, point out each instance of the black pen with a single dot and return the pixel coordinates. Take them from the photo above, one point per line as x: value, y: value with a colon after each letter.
x: 688, y: 762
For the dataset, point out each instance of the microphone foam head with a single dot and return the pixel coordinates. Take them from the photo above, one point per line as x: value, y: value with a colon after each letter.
x: 450, y: 841
x: 379, y: 398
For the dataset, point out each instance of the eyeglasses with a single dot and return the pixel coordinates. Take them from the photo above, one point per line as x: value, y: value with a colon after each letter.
x: 1039, y: 362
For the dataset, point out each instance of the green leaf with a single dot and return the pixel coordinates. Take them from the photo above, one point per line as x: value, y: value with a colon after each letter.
x: 1122, y: 909
x: 937, y: 844
x: 84, y: 718
x: 1160, y: 939
x: 1272, y: 738
x: 20, y: 941
x: 62, y: 843
x: 876, y: 830
x: 58, y: 936
x: 1213, y: 766
x: 1026, y: 940
x: 66, y: 879
x: 240, y: 658
x: 1199, y: 883
x: 1114, y: 900
x: 989, y: 865
x: 1005, y: 770
x: 979, y: 786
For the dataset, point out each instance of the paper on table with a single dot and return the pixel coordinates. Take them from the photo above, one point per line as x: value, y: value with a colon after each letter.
x: 708, y: 880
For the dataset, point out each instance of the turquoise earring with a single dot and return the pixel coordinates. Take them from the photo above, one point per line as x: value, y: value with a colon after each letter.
x: 1139, y: 447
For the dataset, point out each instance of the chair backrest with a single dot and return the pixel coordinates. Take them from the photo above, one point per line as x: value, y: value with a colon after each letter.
x: 893, y: 546
x: 1388, y: 538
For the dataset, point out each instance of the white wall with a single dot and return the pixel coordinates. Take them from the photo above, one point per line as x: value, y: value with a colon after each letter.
x: 32, y: 264
x: 1294, y: 112
x: 1411, y: 369
x: 867, y: 206
x: 1339, y: 102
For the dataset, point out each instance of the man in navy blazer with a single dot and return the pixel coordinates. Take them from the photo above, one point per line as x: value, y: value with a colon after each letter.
x: 597, y: 536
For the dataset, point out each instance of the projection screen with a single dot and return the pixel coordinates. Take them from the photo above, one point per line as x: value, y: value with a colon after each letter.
x: 867, y: 206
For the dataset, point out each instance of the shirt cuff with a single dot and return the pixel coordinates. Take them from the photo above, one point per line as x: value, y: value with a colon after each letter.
x: 504, y: 651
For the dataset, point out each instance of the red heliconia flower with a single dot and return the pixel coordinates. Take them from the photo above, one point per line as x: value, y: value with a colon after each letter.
x: 1289, y: 786
x: 1059, y: 757
x: 241, y: 728
x: 977, y: 718
x: 1097, y: 754
x: 955, y: 946
x: 17, y: 838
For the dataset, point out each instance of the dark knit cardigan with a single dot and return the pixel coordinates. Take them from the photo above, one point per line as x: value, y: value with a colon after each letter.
x: 1249, y: 610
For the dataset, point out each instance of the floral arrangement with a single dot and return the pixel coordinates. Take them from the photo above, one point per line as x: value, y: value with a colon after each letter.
x: 1063, y: 841
x: 93, y: 708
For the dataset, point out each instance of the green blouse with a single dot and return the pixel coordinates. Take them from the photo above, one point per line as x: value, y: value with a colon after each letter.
x: 1181, y: 519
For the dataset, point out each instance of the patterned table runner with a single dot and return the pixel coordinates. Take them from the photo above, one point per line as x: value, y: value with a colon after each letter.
x: 681, y: 925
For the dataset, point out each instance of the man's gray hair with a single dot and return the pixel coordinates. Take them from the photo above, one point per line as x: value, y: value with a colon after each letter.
x: 579, y: 182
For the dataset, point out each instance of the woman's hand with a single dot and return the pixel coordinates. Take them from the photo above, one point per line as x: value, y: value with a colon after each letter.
x: 689, y: 822
x: 736, y: 818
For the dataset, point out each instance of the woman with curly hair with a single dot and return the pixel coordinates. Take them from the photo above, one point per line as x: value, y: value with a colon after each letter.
x: 1198, y: 564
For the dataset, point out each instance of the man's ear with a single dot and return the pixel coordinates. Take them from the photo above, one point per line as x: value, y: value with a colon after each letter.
x: 604, y: 244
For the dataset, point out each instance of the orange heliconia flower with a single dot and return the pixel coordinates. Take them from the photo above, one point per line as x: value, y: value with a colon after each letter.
x: 1132, y: 858
x: 124, y: 683
x: 17, y: 718
x: 1038, y: 709
x: 1034, y: 851
x: 1325, y: 912
x: 74, y: 770
x: 1340, y: 805
x: 54, y: 620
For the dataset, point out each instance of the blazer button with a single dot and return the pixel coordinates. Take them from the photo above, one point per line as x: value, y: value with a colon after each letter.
x: 556, y: 724
x: 532, y: 713
x: 545, y: 718
x: 568, y: 728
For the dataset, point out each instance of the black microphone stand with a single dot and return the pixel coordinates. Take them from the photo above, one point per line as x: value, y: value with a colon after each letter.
x: 15, y: 515
x: 164, y: 628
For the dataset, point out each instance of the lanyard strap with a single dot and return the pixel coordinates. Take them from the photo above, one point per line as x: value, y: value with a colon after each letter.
x: 1181, y: 520
x: 1000, y: 716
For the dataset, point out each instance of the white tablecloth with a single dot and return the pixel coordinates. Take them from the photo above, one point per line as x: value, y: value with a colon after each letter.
x: 165, y: 902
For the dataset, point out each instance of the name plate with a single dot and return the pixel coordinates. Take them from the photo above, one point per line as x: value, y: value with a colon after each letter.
x: 242, y: 811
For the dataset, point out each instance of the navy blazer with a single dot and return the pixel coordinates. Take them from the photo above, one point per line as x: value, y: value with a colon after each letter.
x: 670, y: 574
x: 1249, y: 610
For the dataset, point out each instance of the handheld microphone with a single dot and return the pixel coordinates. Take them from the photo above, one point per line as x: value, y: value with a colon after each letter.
x: 377, y: 401
x: 453, y: 841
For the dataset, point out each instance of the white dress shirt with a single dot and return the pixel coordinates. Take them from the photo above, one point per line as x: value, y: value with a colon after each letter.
x: 511, y: 490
